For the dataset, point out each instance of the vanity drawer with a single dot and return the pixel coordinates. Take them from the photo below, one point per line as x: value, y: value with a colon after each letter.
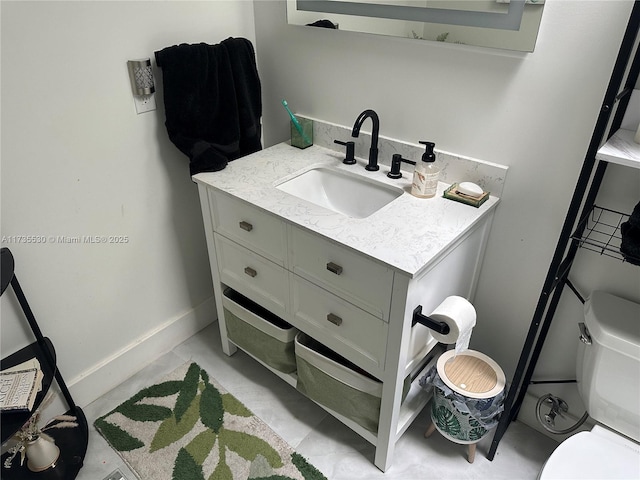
x: 342, y: 271
x: 249, y: 226
x: 340, y: 325
x: 257, y: 278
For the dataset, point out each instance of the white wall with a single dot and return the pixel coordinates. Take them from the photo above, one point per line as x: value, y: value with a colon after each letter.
x: 77, y: 160
x: 533, y: 112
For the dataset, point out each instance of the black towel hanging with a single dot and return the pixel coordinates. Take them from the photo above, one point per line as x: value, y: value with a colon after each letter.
x: 213, y: 102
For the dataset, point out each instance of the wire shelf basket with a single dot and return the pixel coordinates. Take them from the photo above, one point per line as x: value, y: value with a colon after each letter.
x: 601, y: 232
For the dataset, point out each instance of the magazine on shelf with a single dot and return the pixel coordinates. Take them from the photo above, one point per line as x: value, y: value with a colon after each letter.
x: 19, y: 386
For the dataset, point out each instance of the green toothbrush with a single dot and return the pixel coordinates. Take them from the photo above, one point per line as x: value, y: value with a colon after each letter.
x: 295, y: 121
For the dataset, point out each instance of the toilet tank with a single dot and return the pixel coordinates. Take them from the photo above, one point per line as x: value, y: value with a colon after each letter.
x: 608, y: 367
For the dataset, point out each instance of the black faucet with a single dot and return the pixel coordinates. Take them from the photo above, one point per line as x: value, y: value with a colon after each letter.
x: 372, y: 166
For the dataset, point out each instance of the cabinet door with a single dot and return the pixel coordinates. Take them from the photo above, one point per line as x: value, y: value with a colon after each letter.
x: 255, y: 229
x: 340, y: 325
x: 342, y: 271
x: 252, y: 275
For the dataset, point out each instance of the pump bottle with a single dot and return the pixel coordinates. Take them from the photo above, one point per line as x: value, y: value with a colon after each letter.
x: 426, y: 174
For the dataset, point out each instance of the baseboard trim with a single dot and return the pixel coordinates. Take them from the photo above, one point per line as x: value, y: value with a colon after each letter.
x: 104, y: 376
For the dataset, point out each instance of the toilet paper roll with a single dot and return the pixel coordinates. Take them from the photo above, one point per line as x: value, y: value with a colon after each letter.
x: 460, y: 316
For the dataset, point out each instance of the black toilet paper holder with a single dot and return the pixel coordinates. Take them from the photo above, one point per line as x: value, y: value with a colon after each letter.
x: 429, y: 322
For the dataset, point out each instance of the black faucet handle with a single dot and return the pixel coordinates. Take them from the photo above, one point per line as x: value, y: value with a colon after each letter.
x: 350, y: 158
x: 396, y: 161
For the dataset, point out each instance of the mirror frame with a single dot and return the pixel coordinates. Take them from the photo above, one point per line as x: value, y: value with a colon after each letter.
x: 468, y: 18
x: 509, y: 22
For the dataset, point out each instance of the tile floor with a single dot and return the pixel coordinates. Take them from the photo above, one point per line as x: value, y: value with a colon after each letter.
x: 333, y: 448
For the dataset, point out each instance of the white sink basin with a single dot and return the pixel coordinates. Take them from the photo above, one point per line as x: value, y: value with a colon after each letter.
x: 340, y: 191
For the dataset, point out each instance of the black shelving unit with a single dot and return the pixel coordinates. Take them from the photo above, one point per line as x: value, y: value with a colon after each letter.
x: 586, y: 225
x: 71, y: 441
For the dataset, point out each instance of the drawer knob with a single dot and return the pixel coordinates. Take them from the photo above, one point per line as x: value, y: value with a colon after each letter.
x: 334, y: 268
x: 336, y: 320
x: 246, y: 226
x: 250, y: 271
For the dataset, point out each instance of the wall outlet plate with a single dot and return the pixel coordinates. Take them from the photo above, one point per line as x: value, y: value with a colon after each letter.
x: 144, y: 103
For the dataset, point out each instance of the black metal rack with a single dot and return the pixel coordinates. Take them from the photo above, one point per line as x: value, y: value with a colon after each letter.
x: 586, y: 225
x: 73, y: 441
x: 601, y: 233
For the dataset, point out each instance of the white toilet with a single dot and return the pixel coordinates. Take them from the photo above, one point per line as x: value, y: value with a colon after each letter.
x: 608, y: 372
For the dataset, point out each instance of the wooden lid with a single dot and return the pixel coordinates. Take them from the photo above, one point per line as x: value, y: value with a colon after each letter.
x: 471, y: 374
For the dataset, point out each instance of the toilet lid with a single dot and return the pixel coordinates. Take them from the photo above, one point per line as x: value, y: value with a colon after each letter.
x: 592, y: 455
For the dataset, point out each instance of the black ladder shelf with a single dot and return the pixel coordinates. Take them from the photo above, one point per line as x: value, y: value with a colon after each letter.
x: 71, y: 441
x: 582, y: 227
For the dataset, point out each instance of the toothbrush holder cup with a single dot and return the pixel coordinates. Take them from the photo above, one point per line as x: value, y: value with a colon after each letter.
x: 302, y: 139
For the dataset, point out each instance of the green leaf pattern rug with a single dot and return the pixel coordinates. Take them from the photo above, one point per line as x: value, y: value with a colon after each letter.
x: 187, y: 427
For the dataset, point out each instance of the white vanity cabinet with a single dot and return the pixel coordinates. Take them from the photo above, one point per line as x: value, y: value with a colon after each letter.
x: 350, y: 285
x: 350, y: 301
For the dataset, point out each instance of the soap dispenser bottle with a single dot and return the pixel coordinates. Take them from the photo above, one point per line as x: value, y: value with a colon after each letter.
x: 426, y: 174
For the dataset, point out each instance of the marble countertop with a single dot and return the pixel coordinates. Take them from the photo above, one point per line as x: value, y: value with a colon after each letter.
x: 407, y: 234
